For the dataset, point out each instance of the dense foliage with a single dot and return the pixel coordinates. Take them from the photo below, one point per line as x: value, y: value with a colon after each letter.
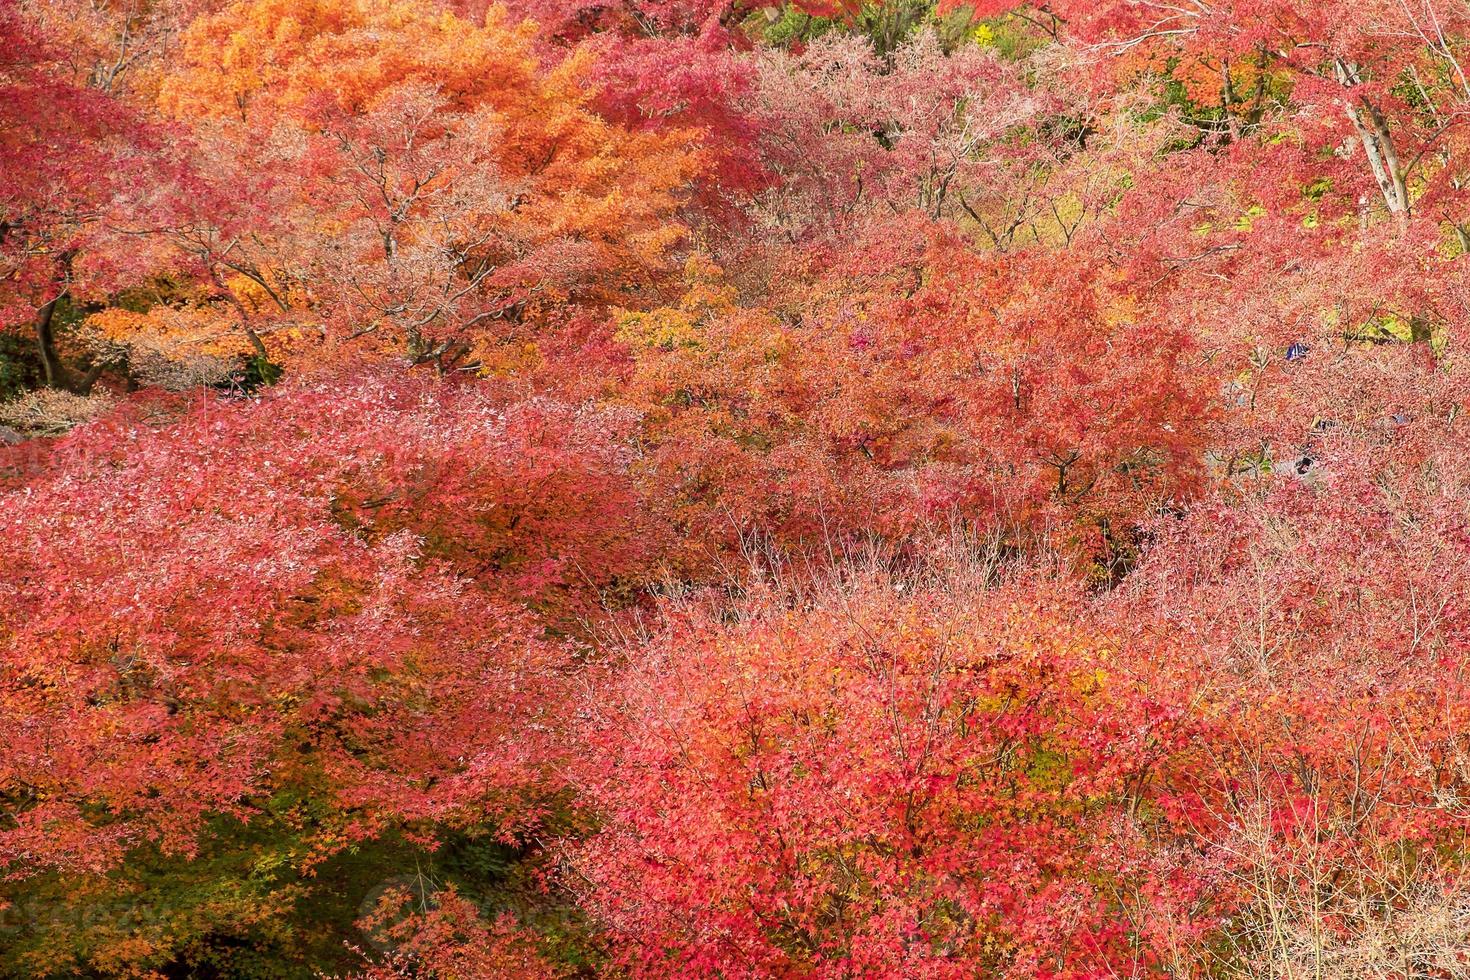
x: 693, y: 488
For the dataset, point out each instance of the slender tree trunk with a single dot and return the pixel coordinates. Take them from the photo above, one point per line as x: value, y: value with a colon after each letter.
x: 1373, y: 133
x: 1420, y: 331
x: 57, y: 374
x: 256, y: 344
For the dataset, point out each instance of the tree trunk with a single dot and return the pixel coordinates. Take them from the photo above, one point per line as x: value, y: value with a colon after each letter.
x: 57, y: 374
x: 51, y: 365
x: 1420, y: 331
x: 1383, y: 158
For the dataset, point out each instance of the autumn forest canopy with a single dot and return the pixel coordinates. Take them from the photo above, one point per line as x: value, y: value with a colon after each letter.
x: 701, y: 489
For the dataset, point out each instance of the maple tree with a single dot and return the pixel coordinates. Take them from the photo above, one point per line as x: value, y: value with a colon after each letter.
x: 227, y: 680
x: 1330, y: 627
x: 934, y: 383
x: 68, y: 155
x: 576, y: 488
x: 1391, y: 74
x: 917, y: 783
x: 446, y: 180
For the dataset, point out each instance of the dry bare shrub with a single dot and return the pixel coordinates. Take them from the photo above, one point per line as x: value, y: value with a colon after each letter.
x: 171, y: 348
x: 50, y: 412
